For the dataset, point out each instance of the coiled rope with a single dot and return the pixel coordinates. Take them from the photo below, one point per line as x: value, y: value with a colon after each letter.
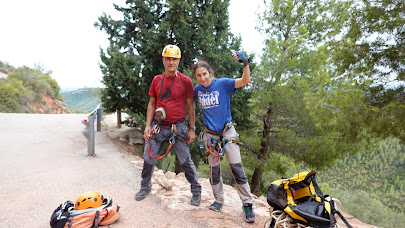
x: 283, y: 220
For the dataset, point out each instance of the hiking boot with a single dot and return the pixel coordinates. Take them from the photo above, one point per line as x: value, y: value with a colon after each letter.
x: 248, y: 211
x: 195, y: 200
x: 142, y: 194
x: 215, y: 206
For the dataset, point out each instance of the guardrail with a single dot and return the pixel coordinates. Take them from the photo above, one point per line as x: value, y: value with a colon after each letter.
x: 88, y: 131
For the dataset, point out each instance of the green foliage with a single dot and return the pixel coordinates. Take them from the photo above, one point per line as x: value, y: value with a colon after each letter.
x: 53, y: 89
x: 373, y: 42
x: 121, y: 75
x: 379, y: 173
x: 7, y: 104
x: 82, y: 100
x: 22, y: 87
x: 365, y: 207
x: 372, y: 48
x: 288, y: 86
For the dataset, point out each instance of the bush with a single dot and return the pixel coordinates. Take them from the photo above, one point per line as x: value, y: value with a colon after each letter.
x: 365, y: 208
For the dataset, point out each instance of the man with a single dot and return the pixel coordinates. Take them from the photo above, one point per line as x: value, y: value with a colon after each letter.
x: 165, y: 122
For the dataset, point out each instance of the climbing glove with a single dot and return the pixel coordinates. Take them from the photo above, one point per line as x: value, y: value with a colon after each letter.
x: 241, y: 58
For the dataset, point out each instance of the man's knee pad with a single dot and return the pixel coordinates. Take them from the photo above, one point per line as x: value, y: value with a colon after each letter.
x: 238, y: 173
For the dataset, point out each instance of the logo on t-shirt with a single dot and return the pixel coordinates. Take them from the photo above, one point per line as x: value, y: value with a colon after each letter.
x: 208, y: 100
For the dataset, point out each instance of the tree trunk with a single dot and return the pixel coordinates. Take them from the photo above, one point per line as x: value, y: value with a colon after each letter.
x: 118, y: 118
x: 256, y: 180
x: 257, y: 175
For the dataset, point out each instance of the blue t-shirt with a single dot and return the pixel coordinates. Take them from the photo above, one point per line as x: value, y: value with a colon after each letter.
x: 215, y: 102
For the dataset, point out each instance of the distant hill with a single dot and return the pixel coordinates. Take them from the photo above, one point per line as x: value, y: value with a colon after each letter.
x: 27, y: 90
x: 371, y: 185
x: 85, y: 99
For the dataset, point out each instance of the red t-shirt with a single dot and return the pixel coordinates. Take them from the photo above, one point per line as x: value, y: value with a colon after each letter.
x: 180, y: 89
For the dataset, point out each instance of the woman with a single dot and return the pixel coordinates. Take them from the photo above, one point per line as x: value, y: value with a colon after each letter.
x: 220, y: 136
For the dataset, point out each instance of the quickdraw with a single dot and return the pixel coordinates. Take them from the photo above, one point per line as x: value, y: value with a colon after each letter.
x: 172, y: 140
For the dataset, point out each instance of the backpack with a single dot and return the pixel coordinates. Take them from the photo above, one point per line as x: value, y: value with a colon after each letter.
x: 66, y: 216
x: 302, y: 199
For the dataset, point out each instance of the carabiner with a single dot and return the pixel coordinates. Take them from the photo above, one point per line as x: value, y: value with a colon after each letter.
x: 172, y: 140
x: 221, y: 145
x: 201, y: 140
x: 156, y: 129
x: 174, y: 129
x: 211, y: 141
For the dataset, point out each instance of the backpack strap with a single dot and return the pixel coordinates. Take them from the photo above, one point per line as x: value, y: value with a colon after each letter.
x: 334, y: 211
x: 343, y: 218
x: 105, y: 216
x: 95, y: 223
x: 70, y: 222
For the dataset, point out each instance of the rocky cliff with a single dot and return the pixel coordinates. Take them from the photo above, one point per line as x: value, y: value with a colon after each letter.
x: 50, y: 105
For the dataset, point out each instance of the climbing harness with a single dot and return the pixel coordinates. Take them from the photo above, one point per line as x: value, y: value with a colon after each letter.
x: 172, y: 139
x: 220, y: 143
x: 216, y: 150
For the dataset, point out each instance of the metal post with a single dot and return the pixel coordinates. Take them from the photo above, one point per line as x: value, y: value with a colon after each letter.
x: 91, y: 142
x: 88, y: 131
x: 99, y: 116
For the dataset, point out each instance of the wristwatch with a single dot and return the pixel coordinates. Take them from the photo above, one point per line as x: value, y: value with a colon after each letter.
x: 194, y: 128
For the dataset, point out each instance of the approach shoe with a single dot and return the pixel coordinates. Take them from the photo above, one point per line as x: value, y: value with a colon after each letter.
x: 215, y: 206
x: 248, y: 211
x: 195, y: 200
x: 142, y: 194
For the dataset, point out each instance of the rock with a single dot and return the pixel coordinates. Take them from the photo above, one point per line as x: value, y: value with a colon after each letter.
x: 170, y: 175
x: 50, y: 105
x: 136, y: 137
x: 162, y: 180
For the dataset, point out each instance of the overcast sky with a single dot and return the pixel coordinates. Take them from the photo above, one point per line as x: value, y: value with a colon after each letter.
x: 60, y: 35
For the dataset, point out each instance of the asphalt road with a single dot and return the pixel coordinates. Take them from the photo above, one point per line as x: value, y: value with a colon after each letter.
x: 44, y: 162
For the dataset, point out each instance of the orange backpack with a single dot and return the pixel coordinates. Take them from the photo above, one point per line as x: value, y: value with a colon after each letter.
x: 66, y: 216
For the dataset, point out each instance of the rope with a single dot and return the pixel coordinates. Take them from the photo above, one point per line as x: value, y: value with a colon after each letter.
x: 283, y: 220
x: 213, y: 154
x: 172, y: 140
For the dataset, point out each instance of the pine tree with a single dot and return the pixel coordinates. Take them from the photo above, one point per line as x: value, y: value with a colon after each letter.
x: 372, y: 47
x: 201, y: 30
x: 299, y: 102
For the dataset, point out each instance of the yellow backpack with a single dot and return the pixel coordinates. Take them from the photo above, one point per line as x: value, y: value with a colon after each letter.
x: 302, y: 199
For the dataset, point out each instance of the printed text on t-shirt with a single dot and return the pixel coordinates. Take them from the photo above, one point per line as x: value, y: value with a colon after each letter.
x: 208, y: 100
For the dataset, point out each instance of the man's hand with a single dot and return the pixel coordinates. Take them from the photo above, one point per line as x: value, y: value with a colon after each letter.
x: 147, y: 133
x: 191, y: 136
